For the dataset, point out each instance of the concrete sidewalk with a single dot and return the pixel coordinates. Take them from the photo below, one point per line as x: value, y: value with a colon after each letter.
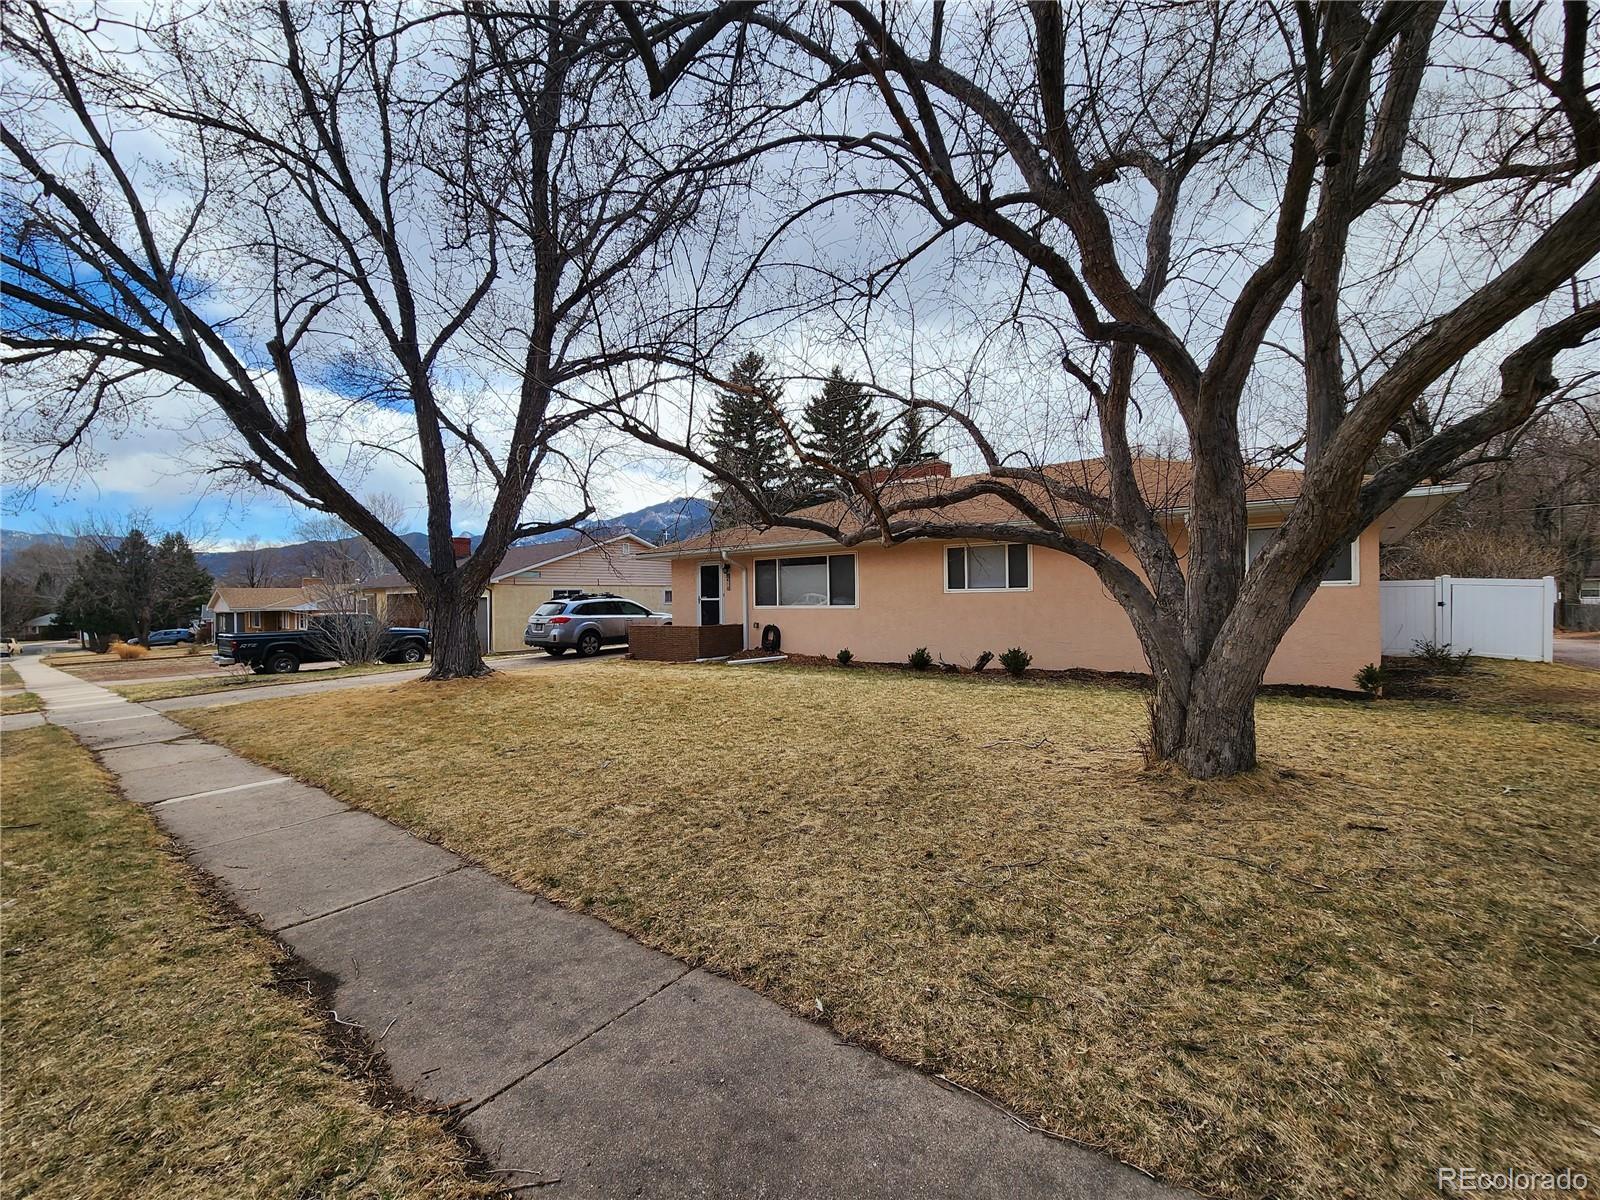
x: 576, y: 1057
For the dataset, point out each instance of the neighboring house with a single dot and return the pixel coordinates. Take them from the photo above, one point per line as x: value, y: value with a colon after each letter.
x: 1588, y: 586
x: 958, y: 598
x: 602, y: 560
x: 39, y: 625
x: 260, y: 610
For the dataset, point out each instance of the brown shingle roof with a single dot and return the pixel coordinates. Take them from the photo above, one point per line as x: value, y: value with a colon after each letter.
x: 1163, y: 481
x: 248, y: 599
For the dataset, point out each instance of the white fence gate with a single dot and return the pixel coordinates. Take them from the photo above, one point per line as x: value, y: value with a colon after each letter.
x: 1494, y: 618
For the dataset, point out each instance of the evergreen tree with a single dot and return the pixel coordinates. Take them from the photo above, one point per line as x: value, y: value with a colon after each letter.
x: 93, y: 599
x: 747, y: 441
x: 911, y: 440
x: 181, y: 584
x: 136, y: 567
x: 840, y: 425
x: 135, y: 586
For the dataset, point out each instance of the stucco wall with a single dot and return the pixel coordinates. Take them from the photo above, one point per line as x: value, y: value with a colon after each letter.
x: 1065, y: 619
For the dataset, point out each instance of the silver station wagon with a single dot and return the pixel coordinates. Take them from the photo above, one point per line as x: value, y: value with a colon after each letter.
x: 585, y: 622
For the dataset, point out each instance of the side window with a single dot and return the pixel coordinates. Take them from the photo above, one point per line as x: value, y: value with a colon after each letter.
x: 1342, y: 569
x: 990, y: 568
x: 630, y: 609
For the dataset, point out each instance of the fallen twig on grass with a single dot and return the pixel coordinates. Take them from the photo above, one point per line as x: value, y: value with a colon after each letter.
x: 1024, y: 743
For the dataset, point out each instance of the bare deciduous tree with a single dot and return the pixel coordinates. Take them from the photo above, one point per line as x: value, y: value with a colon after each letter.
x: 1199, y: 211
x: 255, y: 565
x: 352, y: 232
x: 339, y: 561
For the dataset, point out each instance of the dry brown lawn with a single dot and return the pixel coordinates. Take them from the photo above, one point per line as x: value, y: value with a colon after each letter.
x: 1373, y: 956
x: 150, y: 1049
x: 230, y: 678
x: 14, y: 696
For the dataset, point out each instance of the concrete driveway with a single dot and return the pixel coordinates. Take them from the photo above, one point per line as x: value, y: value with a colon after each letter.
x: 1580, y: 651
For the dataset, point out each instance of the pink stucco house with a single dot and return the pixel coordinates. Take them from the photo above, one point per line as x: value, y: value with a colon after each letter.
x: 959, y: 599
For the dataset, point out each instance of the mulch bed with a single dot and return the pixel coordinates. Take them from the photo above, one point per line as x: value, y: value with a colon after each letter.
x: 1131, y: 680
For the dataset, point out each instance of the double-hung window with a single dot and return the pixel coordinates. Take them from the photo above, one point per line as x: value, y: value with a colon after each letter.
x: 814, y: 581
x: 994, y: 568
x: 1342, y: 572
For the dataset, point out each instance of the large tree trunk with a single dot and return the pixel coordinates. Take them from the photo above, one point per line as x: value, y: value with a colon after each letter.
x: 1209, y: 729
x: 457, y: 653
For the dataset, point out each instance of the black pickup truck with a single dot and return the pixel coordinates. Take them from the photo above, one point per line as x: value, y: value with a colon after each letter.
x: 276, y: 653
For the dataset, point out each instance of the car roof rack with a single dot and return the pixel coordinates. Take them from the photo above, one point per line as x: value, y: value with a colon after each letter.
x: 580, y: 594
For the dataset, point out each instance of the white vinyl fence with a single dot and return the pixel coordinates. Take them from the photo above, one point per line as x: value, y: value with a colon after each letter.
x: 1493, y: 618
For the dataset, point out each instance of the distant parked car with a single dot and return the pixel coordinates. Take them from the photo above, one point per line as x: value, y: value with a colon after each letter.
x: 8, y: 647
x: 586, y: 622
x: 166, y: 637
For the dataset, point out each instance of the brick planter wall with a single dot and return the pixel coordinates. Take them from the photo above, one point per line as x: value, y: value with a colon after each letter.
x: 684, y: 643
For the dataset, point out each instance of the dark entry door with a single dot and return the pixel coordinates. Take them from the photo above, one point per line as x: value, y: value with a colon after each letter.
x: 710, y: 594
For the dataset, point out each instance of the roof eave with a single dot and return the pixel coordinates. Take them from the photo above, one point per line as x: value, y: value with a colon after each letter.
x: 1442, y: 490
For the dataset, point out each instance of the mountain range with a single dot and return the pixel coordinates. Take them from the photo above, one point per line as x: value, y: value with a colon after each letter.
x: 669, y: 521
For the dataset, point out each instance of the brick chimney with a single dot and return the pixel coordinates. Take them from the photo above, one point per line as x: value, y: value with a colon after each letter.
x: 310, y: 581
x: 933, y: 468
x: 463, y: 546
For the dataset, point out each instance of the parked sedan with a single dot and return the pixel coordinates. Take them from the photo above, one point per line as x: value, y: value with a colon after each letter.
x: 168, y: 637
x: 587, y: 622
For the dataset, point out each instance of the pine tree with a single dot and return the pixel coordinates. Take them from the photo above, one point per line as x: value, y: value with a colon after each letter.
x: 911, y: 440
x: 747, y: 441
x: 136, y: 568
x: 135, y: 586
x: 840, y: 426
x: 181, y: 585
x: 93, y: 599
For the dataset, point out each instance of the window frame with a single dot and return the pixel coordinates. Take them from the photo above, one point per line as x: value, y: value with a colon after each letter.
x: 966, y: 569
x: 1355, y: 558
x: 777, y: 582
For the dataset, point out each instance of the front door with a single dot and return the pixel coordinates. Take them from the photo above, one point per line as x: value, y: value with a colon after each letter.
x: 710, y: 594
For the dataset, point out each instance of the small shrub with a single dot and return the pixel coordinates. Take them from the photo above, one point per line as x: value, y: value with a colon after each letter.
x: 949, y: 668
x: 843, y: 657
x: 1016, y: 660
x: 983, y: 660
x: 128, y: 653
x: 1438, y: 658
x: 1371, y: 680
x: 919, y: 659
